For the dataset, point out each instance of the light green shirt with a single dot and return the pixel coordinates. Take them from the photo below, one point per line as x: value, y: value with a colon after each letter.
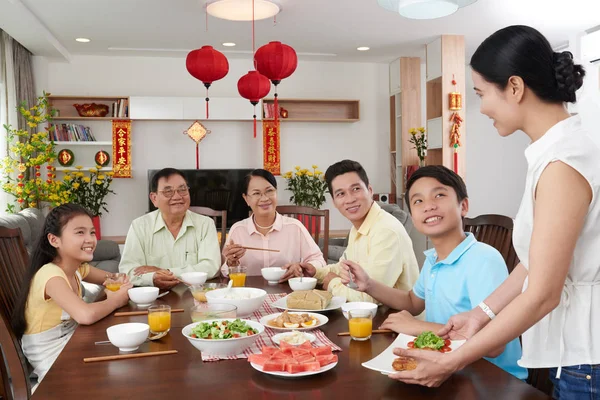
x: 383, y: 248
x: 149, y: 242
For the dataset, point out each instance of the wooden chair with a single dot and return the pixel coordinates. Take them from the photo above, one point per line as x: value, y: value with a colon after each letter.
x: 495, y: 230
x: 13, y: 268
x: 214, y: 214
x: 311, y: 218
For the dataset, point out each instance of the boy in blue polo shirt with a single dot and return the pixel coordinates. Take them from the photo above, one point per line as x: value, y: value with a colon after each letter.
x: 458, y: 273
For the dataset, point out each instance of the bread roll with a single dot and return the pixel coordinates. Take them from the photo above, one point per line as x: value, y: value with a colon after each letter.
x: 309, y: 299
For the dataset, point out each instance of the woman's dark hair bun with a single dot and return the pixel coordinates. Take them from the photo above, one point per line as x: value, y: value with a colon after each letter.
x: 569, y: 76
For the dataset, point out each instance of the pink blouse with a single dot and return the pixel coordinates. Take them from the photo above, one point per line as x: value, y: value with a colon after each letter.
x: 288, y: 235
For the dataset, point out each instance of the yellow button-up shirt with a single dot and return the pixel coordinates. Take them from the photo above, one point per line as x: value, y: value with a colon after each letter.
x: 149, y: 242
x: 383, y: 248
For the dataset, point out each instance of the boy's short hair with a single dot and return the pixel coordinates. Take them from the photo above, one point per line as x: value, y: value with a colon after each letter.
x: 443, y: 175
x: 343, y: 167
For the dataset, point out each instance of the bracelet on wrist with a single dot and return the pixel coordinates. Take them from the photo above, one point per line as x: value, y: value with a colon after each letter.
x: 487, y: 310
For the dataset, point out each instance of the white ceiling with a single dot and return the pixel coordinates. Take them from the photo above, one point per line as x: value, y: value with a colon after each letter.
x: 318, y: 27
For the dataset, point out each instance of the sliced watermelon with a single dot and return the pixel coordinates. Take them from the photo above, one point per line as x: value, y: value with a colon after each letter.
x: 279, y: 355
x: 305, y: 358
x: 268, y: 350
x: 305, y: 345
x: 327, y: 359
x: 299, y: 352
x: 285, y: 345
x: 275, y: 366
x: 259, y: 359
x: 321, y: 351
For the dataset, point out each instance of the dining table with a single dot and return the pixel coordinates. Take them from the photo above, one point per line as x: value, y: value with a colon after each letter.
x: 184, y: 375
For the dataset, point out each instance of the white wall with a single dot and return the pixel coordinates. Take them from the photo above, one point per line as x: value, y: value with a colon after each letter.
x: 157, y: 144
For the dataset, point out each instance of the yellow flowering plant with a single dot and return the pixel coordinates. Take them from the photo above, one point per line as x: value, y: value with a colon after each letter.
x: 89, y: 188
x: 22, y: 170
x: 308, y: 187
x: 418, y: 138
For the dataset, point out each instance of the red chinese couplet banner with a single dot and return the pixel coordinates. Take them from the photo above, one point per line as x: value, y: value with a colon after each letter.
x: 121, y: 136
x: 271, y: 150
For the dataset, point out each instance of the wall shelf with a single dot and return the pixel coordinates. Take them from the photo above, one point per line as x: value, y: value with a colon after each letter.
x: 73, y: 169
x: 317, y: 110
x: 67, y: 112
x: 82, y: 143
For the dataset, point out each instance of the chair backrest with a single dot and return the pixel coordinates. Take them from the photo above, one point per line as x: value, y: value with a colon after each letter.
x: 13, y: 268
x: 214, y: 214
x: 311, y: 218
x: 217, y: 199
x: 13, y: 366
x: 495, y: 230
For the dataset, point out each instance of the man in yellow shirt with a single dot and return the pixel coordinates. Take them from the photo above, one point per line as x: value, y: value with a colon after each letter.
x: 378, y: 241
x: 165, y: 243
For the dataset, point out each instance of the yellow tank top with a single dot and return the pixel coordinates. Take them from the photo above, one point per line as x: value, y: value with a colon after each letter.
x: 42, y: 314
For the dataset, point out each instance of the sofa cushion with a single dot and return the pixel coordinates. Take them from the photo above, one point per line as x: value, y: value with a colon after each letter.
x: 36, y: 221
x: 19, y: 221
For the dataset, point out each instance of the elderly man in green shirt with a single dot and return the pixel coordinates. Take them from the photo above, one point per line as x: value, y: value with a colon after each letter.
x: 165, y: 243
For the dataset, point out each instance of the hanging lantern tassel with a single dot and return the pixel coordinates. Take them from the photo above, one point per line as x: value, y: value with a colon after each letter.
x: 254, y: 103
x: 276, y: 103
x: 456, y: 158
x: 207, y: 99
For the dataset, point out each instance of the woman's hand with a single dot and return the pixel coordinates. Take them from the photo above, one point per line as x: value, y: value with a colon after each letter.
x: 359, y: 276
x: 433, y: 367
x: 120, y: 297
x: 233, y: 252
x: 464, y: 325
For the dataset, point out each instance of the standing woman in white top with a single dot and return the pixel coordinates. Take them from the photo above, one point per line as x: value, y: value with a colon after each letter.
x: 552, y: 297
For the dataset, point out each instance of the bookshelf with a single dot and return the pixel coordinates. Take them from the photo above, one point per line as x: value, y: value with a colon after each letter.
x: 317, y: 110
x: 66, y: 111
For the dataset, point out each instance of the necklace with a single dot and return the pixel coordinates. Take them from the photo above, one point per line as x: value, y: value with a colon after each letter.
x: 263, y: 227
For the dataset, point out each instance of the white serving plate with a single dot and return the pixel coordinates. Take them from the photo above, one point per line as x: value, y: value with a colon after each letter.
x: 336, y: 302
x: 322, y: 320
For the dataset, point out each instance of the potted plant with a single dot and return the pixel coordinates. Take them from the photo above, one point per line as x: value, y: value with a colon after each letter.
x: 23, y: 168
x: 89, y: 189
x: 308, y: 189
x: 419, y: 140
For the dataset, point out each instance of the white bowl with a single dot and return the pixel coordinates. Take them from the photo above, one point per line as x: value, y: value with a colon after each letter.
x: 359, y: 305
x: 128, y: 337
x: 143, y: 296
x: 272, y: 274
x: 247, y: 300
x: 194, y: 278
x: 223, y: 347
x: 306, y: 284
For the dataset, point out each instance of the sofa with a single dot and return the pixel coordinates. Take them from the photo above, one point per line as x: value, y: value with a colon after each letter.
x: 338, y: 246
x: 31, y: 222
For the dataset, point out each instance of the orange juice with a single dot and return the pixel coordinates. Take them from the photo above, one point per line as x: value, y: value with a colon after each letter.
x: 238, y: 278
x: 114, y: 286
x: 159, y: 321
x: 360, y: 328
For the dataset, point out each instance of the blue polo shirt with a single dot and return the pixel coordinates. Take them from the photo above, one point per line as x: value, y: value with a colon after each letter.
x: 470, y: 273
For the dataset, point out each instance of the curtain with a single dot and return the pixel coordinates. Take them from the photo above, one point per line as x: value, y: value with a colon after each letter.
x: 24, y: 88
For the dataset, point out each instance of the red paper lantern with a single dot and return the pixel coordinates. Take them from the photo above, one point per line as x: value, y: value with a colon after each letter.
x: 276, y: 61
x: 207, y: 65
x: 254, y: 86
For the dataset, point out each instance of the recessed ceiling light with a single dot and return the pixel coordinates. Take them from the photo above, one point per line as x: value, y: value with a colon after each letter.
x: 82, y: 40
x: 228, y: 44
x: 364, y: 48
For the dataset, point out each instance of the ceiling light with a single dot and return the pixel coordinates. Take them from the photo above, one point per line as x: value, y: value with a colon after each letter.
x: 241, y: 10
x: 83, y: 40
x: 424, y: 9
x: 363, y: 48
x: 228, y: 44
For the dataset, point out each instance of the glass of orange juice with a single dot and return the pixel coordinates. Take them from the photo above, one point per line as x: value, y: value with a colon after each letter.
x: 238, y: 276
x: 114, y: 282
x: 159, y: 319
x: 360, y: 324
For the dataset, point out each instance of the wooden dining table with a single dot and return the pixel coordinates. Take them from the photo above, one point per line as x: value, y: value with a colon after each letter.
x: 184, y: 375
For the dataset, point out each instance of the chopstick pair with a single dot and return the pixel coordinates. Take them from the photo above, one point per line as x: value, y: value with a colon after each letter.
x: 126, y: 356
x: 132, y: 313
x: 374, y: 331
x: 259, y: 249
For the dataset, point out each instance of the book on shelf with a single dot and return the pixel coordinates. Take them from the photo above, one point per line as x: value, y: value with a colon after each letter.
x: 120, y: 108
x: 70, y: 133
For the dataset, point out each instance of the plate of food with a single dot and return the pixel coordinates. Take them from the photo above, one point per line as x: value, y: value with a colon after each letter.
x: 294, y: 338
x: 310, y: 300
x: 388, y: 363
x: 287, y: 321
x: 294, y: 361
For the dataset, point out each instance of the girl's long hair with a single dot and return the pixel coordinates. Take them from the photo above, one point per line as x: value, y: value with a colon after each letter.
x: 43, y: 253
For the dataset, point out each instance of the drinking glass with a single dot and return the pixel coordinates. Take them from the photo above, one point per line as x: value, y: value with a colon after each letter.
x: 159, y: 319
x: 360, y: 324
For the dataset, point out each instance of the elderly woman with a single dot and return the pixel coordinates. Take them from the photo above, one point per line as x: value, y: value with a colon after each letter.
x: 268, y: 229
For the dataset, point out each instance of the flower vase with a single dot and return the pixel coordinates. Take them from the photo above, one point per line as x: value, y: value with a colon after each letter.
x: 421, y: 163
x: 96, y: 222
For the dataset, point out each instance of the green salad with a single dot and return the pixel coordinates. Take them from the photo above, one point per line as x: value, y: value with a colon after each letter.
x: 222, y: 330
x: 430, y: 340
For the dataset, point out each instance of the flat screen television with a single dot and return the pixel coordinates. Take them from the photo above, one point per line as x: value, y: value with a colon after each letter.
x: 219, y: 189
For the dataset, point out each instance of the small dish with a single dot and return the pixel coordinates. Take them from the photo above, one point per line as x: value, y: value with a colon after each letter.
x: 194, y: 278
x: 128, y: 337
x: 143, y: 296
x: 303, y: 283
x: 335, y: 303
x: 359, y: 305
x: 277, y: 339
x: 321, y: 320
x: 272, y: 274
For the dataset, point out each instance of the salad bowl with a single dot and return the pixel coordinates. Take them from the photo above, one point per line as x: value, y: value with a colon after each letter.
x: 223, y: 347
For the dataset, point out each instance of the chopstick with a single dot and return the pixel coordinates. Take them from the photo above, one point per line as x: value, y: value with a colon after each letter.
x: 125, y: 356
x: 258, y: 248
x: 132, y: 313
x: 374, y: 331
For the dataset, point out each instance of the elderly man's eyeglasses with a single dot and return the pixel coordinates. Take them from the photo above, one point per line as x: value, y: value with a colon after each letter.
x: 170, y: 192
x: 269, y: 193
